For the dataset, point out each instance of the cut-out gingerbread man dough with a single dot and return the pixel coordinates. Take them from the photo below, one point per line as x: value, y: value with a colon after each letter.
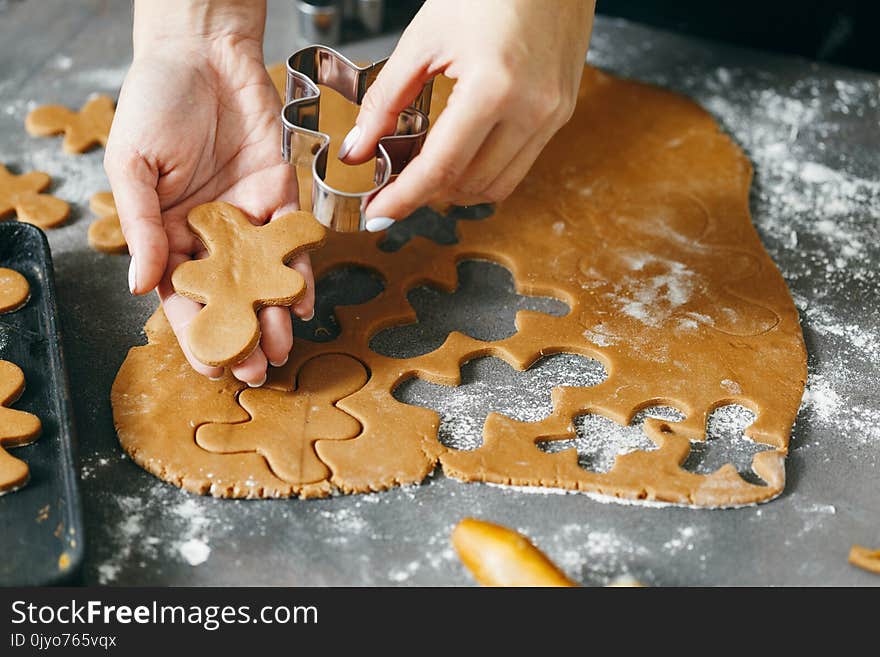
x: 624, y: 217
x: 14, y: 290
x: 16, y: 428
x: 88, y: 127
x: 244, y: 271
x: 105, y: 232
x: 20, y: 195
x: 285, y: 425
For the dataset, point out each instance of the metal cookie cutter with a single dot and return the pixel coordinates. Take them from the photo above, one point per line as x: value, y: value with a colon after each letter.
x: 303, y: 144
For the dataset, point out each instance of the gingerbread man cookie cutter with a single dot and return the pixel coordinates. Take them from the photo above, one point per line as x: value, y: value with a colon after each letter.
x: 304, y: 145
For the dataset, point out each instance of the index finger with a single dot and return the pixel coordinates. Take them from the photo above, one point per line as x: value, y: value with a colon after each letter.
x: 449, y: 148
x: 180, y: 313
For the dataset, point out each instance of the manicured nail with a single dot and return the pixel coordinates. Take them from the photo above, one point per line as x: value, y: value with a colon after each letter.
x: 310, y: 317
x: 132, y: 276
x: 260, y: 384
x: 215, y: 378
x: 376, y: 224
x: 349, y: 142
x: 280, y: 363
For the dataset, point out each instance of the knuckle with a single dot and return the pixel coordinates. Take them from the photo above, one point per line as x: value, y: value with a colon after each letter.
x: 543, y: 105
x: 549, y: 103
x: 445, y: 173
x: 565, y: 108
x: 470, y: 187
x: 503, y: 89
x: 120, y: 160
x: 500, y: 191
x: 497, y: 86
x: 375, y: 100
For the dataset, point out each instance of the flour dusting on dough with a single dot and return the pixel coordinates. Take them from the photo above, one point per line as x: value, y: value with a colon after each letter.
x: 816, y: 210
x: 654, y: 299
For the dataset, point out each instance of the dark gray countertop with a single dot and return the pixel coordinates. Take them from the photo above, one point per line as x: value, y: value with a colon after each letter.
x: 812, y: 132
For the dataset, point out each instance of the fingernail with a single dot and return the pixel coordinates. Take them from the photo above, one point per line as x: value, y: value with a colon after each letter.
x: 132, y: 276
x: 215, y: 378
x: 280, y: 363
x: 376, y: 224
x: 349, y: 142
x: 310, y: 317
x: 260, y: 384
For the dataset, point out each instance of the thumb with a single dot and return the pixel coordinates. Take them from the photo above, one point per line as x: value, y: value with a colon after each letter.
x: 397, y: 85
x: 133, y: 182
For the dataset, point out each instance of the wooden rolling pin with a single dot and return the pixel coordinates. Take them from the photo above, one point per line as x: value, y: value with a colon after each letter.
x: 498, y: 556
x: 865, y: 558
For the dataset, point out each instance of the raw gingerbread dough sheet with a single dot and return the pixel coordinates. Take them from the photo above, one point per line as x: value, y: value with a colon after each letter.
x: 636, y: 216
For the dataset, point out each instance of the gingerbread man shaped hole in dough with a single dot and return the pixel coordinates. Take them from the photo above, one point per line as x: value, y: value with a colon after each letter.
x: 88, y: 127
x: 21, y: 195
x: 244, y: 271
x: 285, y: 425
x: 16, y: 428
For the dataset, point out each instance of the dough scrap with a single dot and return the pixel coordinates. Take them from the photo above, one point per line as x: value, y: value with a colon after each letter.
x: 245, y: 270
x: 105, y: 232
x: 17, y: 428
x: 636, y: 216
x: 285, y: 425
x: 14, y: 290
x: 82, y: 129
x: 20, y: 195
x: 865, y: 558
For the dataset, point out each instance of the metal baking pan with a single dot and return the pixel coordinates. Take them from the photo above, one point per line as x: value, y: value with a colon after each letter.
x: 41, y: 531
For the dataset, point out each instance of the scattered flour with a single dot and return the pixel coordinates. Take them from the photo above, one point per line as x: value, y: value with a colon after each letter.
x: 399, y: 575
x: 195, y: 551
x: 822, y: 399
x: 107, y: 80
x: 486, y: 386
x: 61, y: 62
x: 126, y: 535
x: 595, y: 556
x: 186, y: 523
x: 600, y: 440
x: 683, y: 540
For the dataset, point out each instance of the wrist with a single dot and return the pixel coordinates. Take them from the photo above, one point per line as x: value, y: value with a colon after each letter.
x: 183, y: 22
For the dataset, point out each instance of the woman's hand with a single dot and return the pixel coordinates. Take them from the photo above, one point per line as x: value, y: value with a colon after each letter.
x: 198, y: 121
x: 517, y: 65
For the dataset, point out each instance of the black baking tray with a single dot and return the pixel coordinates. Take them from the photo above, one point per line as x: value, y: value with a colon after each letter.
x: 41, y: 531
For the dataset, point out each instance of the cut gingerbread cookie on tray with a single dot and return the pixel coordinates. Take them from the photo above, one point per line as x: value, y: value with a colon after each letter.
x: 624, y: 217
x: 82, y: 129
x: 14, y: 290
x: 105, y: 232
x: 245, y: 270
x: 17, y: 428
x: 20, y: 196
